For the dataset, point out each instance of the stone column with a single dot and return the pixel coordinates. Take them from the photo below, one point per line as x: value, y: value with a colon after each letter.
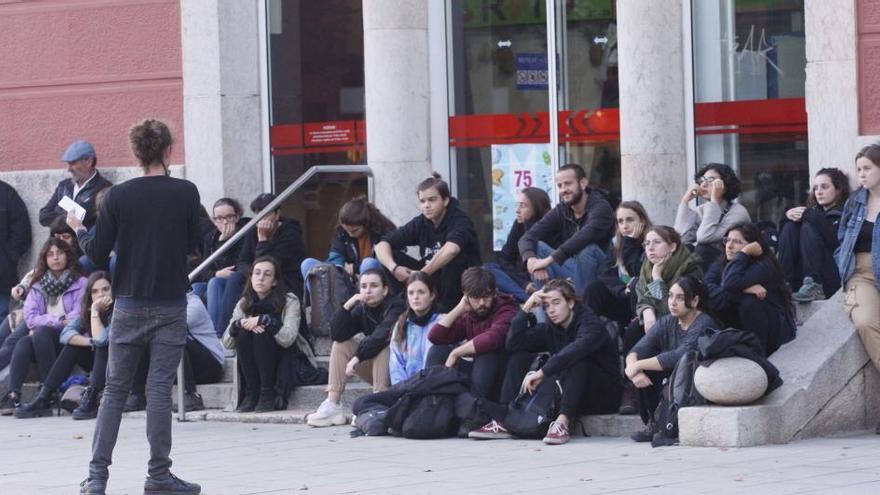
x: 832, y: 92
x: 221, y: 98
x: 397, y: 102
x: 654, y: 168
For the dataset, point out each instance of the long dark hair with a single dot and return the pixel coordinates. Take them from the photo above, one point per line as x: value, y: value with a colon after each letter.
x: 85, y: 308
x: 618, y: 239
x: 276, y: 299
x: 840, y: 182
x: 400, y: 335
x: 358, y: 211
x: 72, y: 260
x: 540, y: 201
x: 751, y: 233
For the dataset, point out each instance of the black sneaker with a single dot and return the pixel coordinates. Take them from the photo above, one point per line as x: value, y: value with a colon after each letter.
x: 88, y: 405
x: 171, y: 484
x: 192, y: 401
x: 646, y: 434
x: 135, y: 402
x: 248, y: 404
x: 266, y: 403
x: 40, y: 407
x: 92, y: 487
x: 10, y: 402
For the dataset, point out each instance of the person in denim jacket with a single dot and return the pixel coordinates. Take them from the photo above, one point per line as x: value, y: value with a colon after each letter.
x: 858, y: 255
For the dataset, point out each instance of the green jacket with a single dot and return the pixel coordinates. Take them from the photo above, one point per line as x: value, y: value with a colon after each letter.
x: 652, y: 293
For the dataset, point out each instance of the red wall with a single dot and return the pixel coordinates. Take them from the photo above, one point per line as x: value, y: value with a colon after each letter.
x: 869, y: 66
x: 86, y: 69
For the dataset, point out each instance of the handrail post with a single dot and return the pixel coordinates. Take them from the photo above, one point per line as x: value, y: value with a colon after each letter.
x: 275, y: 204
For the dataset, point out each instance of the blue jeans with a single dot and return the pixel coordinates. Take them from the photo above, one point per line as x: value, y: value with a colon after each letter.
x: 88, y: 266
x: 581, y: 268
x: 223, y: 294
x: 4, y: 303
x: 201, y: 289
x: 506, y: 283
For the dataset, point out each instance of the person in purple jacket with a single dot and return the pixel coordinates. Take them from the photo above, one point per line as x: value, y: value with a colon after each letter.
x: 52, y: 303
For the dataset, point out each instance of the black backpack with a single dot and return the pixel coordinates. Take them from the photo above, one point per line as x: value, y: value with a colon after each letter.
x: 529, y: 416
x: 678, y: 391
x: 329, y: 288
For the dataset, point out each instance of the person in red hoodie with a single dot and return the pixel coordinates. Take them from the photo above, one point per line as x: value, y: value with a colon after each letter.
x: 475, y: 328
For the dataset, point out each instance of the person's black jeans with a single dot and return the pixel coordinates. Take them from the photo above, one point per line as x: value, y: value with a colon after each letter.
x: 40, y: 347
x: 486, y: 370
x: 258, y: 355
x: 763, y: 319
x: 632, y: 333
x: 199, y: 366
x: 649, y: 397
x: 9, y: 338
x: 70, y: 356
x: 447, y: 280
x: 803, y: 253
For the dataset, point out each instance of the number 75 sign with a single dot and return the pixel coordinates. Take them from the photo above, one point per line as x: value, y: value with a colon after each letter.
x: 514, y: 168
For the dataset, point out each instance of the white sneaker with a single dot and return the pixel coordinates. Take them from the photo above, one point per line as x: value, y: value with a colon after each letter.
x: 328, y: 414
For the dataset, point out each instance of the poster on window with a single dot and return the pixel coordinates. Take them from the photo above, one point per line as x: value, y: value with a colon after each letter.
x: 514, y: 168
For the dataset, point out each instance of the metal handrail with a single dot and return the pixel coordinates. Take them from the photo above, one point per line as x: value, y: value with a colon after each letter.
x: 298, y: 183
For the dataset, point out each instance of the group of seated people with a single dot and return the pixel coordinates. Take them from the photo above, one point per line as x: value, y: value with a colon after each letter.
x: 579, y: 281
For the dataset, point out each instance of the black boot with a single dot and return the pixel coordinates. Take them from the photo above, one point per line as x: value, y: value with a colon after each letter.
x: 629, y: 402
x: 247, y: 404
x: 266, y: 402
x: 40, y: 407
x: 88, y: 405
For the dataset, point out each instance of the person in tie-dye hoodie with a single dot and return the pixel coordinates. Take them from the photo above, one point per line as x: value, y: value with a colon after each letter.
x: 409, y: 340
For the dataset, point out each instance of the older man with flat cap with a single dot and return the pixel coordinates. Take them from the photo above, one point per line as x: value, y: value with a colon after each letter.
x: 83, y: 185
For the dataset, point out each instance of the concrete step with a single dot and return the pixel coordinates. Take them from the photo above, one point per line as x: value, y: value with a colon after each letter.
x: 220, y: 395
x: 610, y: 425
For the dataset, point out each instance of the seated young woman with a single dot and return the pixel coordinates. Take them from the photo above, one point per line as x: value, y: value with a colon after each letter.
x: 582, y: 355
x: 227, y: 219
x: 264, y: 322
x: 511, y: 276
x: 747, y: 289
x: 409, y: 339
x: 808, y: 238
x: 51, y: 304
x: 613, y: 294
x: 85, y: 344
x: 370, y: 312
x: 654, y: 357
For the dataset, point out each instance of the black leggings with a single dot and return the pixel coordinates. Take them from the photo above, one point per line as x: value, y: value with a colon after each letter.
x: 9, y: 338
x: 632, y: 333
x: 649, y: 397
x: 258, y: 355
x: 485, y: 370
x: 803, y: 253
x: 41, y: 347
x: 94, y: 361
x: 199, y: 367
x: 757, y: 316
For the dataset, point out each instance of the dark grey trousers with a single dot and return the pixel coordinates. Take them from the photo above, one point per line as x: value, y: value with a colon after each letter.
x: 162, y: 331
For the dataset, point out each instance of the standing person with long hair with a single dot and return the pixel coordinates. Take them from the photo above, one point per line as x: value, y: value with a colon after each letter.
x: 858, y: 255
x: 511, y: 276
x: 152, y: 224
x: 808, y: 238
x: 409, y: 338
x: 747, y: 289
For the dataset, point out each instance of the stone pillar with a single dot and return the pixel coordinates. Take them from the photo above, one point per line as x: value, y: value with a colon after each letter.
x: 654, y: 168
x: 832, y: 93
x: 221, y: 98
x: 397, y: 102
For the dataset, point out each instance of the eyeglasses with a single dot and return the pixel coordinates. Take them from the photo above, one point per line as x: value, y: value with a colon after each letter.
x: 655, y: 242
x: 225, y: 218
x: 706, y: 179
x: 735, y: 242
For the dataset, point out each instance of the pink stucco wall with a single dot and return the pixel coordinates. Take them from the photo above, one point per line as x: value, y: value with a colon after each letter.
x: 869, y: 66
x: 86, y: 69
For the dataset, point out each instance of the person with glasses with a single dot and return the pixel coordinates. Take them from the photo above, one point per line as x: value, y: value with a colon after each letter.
x: 858, y: 255
x: 475, y: 328
x: 747, y: 289
x: 703, y: 226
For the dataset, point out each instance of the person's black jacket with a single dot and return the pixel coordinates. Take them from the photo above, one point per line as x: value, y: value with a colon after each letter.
x: 569, y: 235
x: 456, y: 227
x: 85, y: 198
x: 15, y: 229
x: 726, y: 282
x: 824, y: 221
x: 286, y: 246
x: 716, y: 344
x: 344, y: 248
x: 585, y: 338
x: 633, y: 254
x: 375, y: 323
x: 211, y: 242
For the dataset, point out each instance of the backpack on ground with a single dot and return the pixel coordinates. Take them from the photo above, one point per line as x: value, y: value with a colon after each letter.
x: 529, y: 416
x: 426, y: 407
x: 328, y: 288
x: 678, y: 392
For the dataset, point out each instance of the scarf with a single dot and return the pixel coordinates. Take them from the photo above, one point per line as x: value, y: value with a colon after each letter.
x: 263, y: 307
x: 424, y: 319
x: 54, y: 287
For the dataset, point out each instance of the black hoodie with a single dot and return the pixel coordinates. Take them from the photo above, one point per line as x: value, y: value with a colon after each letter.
x: 456, y: 227
x: 286, y: 246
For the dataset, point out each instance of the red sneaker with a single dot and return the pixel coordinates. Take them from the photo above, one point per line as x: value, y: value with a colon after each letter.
x: 492, y: 430
x: 557, y: 434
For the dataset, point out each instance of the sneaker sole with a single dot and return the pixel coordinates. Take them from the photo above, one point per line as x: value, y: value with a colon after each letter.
x: 556, y: 441
x: 325, y: 422
x: 36, y: 414
x: 489, y: 436
x: 169, y: 492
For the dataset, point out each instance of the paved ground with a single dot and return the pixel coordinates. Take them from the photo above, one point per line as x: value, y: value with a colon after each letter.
x: 50, y: 455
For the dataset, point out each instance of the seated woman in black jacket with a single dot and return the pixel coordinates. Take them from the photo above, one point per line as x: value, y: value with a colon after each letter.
x: 370, y: 312
x: 747, y: 289
x: 808, y: 238
x: 511, y: 276
x: 613, y: 294
x: 583, y: 357
x: 654, y: 356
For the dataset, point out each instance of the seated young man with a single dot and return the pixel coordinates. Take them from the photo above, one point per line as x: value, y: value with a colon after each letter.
x: 570, y: 240
x: 446, y: 239
x: 475, y: 328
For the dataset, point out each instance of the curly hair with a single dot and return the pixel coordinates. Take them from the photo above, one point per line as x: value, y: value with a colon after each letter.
x: 732, y: 184
x: 149, y: 140
x: 840, y: 182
